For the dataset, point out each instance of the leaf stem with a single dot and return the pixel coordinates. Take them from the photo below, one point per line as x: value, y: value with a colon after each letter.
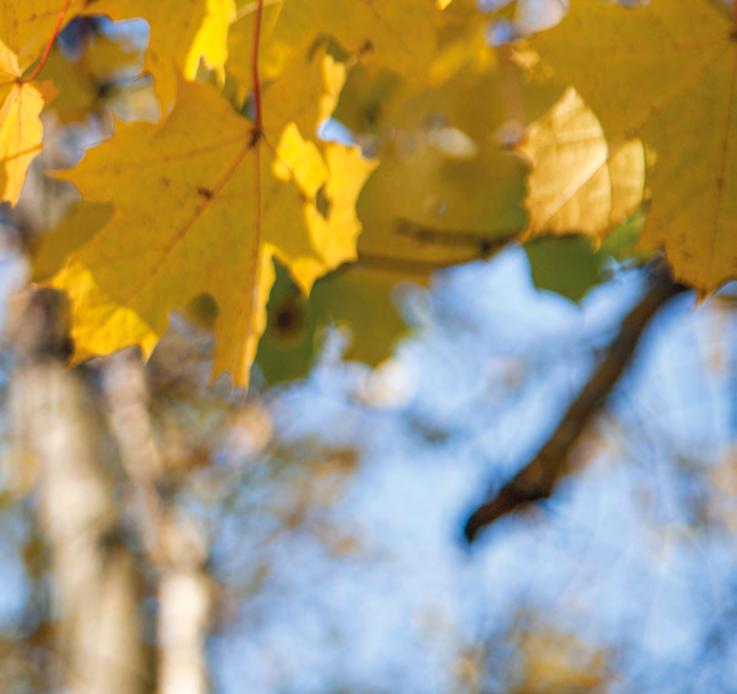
x: 259, y: 119
x: 50, y: 44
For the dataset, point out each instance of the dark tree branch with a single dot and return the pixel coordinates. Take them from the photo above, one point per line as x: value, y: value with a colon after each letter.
x: 537, y: 480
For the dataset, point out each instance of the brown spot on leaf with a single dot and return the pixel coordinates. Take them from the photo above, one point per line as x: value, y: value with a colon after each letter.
x: 323, y: 203
x: 289, y: 319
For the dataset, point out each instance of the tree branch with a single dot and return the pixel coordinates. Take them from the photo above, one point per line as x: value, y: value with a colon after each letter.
x: 538, y: 479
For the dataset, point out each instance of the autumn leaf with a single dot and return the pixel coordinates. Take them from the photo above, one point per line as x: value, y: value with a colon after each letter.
x: 447, y: 190
x: 356, y: 299
x: 363, y: 301
x: 21, y: 130
x: 665, y: 73
x: 572, y: 265
x: 202, y: 211
x: 576, y: 183
x: 567, y: 265
x: 424, y: 209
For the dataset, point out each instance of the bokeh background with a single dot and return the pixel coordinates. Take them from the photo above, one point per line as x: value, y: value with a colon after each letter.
x: 325, y: 514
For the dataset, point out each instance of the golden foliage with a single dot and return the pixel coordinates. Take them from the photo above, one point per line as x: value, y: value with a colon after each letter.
x: 21, y: 131
x: 577, y: 183
x: 193, y: 210
x: 665, y: 73
x: 203, y: 211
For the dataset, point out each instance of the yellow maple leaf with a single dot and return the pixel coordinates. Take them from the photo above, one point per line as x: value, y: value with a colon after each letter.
x: 666, y: 73
x: 21, y: 130
x: 576, y: 183
x: 447, y: 191
x: 201, y: 208
x: 424, y: 210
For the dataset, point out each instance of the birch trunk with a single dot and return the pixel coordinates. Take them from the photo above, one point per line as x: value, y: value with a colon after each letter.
x: 95, y: 589
x: 175, y: 546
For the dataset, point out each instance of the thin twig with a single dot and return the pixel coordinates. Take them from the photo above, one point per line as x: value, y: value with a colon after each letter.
x: 538, y: 479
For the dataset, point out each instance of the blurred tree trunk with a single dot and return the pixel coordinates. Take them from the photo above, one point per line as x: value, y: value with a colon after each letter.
x: 174, y: 545
x: 184, y: 612
x: 95, y: 587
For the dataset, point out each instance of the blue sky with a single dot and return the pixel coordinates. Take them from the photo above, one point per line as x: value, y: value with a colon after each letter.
x: 616, y: 558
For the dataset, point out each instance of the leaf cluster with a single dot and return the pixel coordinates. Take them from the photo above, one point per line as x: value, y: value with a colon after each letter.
x: 261, y: 145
